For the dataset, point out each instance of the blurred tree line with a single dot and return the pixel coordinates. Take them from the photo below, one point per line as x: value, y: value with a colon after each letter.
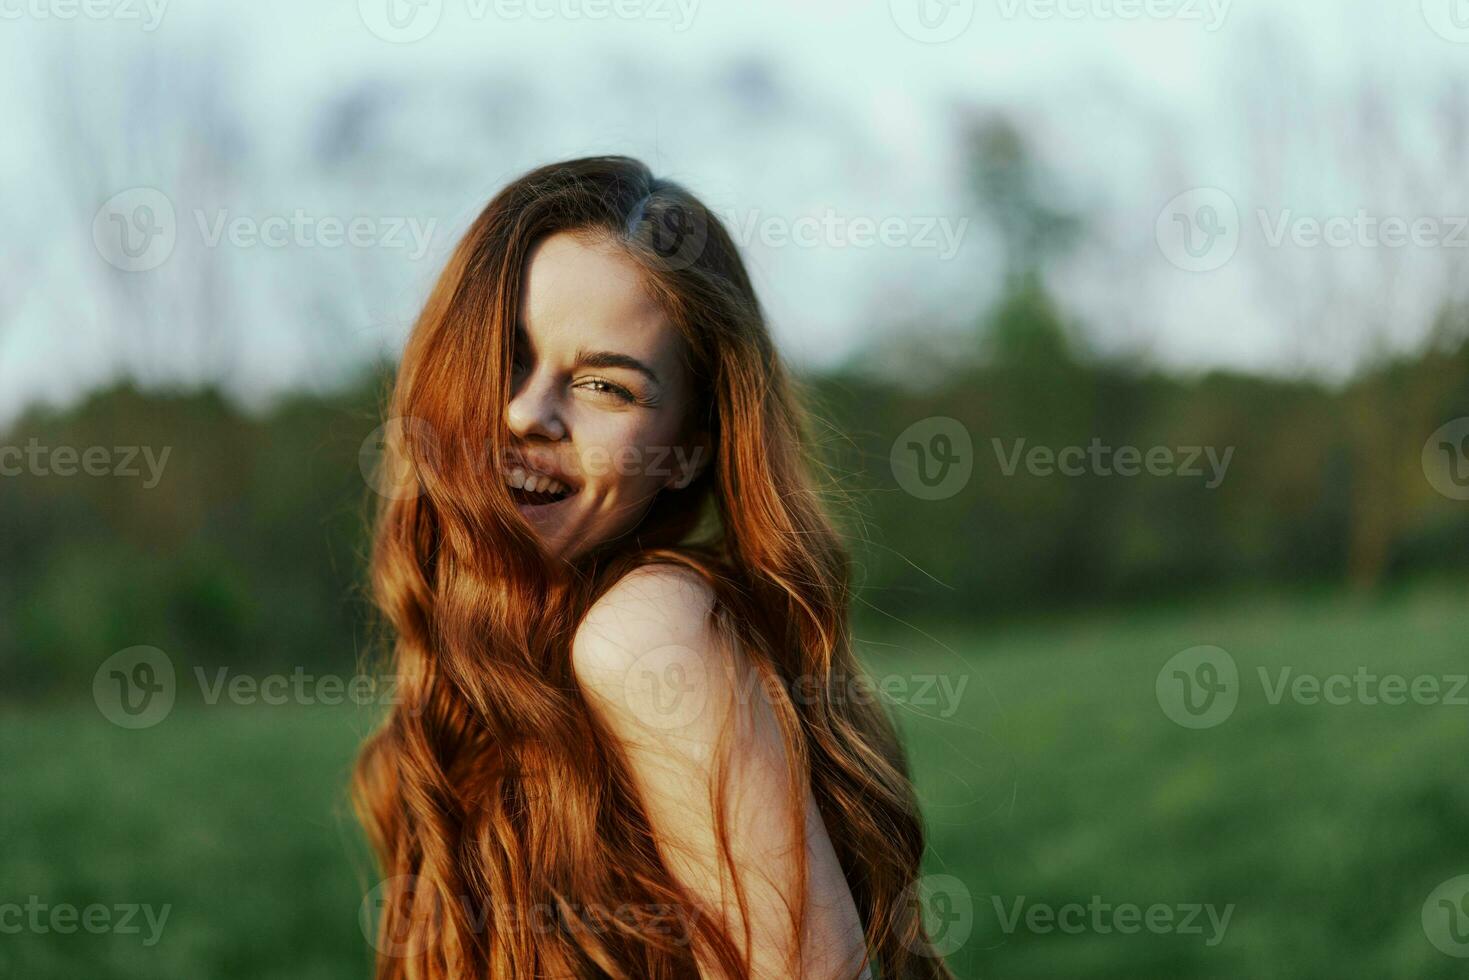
x: 1324, y: 486
x: 249, y: 551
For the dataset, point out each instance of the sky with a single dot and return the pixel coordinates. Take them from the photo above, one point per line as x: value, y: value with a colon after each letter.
x: 1240, y: 169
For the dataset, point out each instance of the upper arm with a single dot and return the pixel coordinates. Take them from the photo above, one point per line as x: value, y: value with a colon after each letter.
x: 663, y: 683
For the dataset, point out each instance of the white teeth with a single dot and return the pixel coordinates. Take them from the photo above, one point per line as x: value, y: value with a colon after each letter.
x: 534, y: 482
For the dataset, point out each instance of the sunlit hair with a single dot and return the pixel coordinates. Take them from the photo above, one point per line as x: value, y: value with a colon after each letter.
x: 498, y: 812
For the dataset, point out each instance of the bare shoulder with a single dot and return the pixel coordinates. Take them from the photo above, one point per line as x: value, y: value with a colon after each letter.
x: 706, y: 751
x: 648, y: 656
x: 664, y: 603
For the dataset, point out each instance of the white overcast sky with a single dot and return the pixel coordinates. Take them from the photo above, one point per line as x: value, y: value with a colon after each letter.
x: 774, y: 111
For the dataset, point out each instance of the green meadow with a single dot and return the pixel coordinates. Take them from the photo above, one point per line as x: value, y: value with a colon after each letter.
x: 1076, y: 830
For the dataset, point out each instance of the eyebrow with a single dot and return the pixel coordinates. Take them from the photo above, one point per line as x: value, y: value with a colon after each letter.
x: 612, y: 359
x: 597, y: 358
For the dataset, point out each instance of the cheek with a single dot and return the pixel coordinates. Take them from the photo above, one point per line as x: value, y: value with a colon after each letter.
x: 625, y: 454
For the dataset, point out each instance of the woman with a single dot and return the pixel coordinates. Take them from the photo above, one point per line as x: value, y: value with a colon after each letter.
x: 622, y: 744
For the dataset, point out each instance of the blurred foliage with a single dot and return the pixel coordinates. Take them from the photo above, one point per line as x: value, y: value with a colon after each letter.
x: 249, y: 550
x: 1325, y: 485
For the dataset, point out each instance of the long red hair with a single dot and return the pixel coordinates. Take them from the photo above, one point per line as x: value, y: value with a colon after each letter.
x: 498, y: 813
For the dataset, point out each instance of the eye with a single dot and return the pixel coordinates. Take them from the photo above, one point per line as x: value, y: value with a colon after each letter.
x: 605, y: 388
x: 520, y: 369
x: 519, y: 347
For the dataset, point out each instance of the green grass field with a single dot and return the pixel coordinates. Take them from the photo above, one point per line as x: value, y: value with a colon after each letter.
x: 1055, y: 777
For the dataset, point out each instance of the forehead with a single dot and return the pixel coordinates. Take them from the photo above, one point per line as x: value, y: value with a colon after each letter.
x: 586, y: 294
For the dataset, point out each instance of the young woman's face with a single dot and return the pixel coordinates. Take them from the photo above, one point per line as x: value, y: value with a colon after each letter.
x: 599, y: 398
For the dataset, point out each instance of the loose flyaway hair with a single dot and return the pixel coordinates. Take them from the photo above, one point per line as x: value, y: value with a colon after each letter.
x: 500, y: 814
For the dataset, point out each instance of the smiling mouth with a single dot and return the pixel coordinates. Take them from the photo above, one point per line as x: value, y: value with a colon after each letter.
x: 533, y: 489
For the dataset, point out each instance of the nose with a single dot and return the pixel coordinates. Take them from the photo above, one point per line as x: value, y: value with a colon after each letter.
x: 534, y: 411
